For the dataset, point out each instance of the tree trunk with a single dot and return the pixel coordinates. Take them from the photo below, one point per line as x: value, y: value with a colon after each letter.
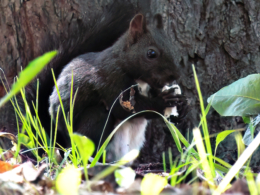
x: 220, y: 37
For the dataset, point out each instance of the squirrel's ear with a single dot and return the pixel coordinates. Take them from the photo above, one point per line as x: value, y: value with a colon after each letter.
x: 158, y: 21
x: 137, y: 26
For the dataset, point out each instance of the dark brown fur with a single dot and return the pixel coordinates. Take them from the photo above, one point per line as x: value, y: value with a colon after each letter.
x: 100, y: 77
x: 84, y: 36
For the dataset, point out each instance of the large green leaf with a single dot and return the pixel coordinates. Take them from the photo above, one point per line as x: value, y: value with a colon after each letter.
x: 28, y: 74
x: 85, y: 146
x: 241, y: 98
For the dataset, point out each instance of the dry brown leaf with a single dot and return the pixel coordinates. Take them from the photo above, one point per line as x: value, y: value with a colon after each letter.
x: 30, y: 173
x: 10, y: 136
x: 129, y: 104
x: 5, y: 166
x: 25, y: 172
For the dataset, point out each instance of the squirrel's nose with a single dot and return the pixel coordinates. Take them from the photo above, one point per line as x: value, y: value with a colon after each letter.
x: 175, y: 74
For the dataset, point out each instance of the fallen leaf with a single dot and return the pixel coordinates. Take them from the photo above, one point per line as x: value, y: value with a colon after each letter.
x: 24, y: 172
x: 68, y: 181
x: 32, y: 174
x: 10, y: 136
x: 13, y: 175
x: 4, y: 166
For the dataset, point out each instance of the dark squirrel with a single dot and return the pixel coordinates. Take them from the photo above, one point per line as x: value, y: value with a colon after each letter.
x: 142, y: 55
x: 85, y: 31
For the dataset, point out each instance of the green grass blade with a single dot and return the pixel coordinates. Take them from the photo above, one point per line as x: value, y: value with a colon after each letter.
x: 251, y: 183
x: 61, y: 104
x: 130, y: 156
x: 28, y: 74
x: 204, y: 123
x: 220, y: 137
x: 203, y: 157
x: 172, y: 129
x: 164, y: 162
x: 102, y: 148
x: 238, y: 165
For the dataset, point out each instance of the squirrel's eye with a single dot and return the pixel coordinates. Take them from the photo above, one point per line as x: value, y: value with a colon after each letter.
x: 151, y: 53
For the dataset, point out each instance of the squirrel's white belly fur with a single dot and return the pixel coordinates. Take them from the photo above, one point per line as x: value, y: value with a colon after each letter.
x: 129, y: 136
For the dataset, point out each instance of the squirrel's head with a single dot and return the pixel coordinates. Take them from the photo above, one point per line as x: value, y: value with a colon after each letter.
x: 149, y: 53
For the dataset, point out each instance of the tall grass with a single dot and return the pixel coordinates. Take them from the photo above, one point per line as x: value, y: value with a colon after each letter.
x: 33, y: 135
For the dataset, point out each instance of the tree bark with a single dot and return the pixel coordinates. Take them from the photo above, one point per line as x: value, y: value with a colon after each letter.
x: 220, y: 37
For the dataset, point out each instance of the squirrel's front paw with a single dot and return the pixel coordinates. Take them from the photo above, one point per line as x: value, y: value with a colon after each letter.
x: 174, y: 101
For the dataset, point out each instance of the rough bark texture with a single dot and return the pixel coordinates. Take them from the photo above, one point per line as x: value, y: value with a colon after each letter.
x: 220, y: 37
